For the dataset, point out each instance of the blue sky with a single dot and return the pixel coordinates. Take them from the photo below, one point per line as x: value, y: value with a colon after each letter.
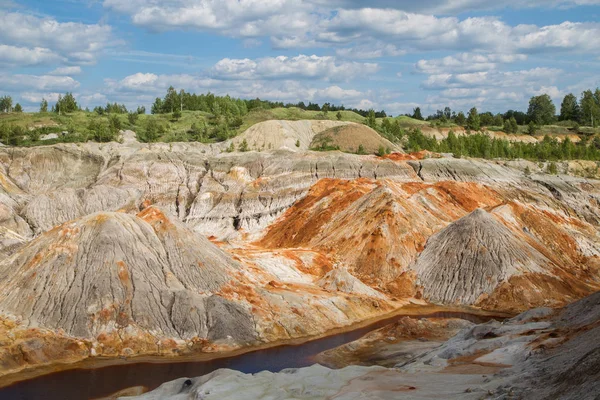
x: 394, y: 55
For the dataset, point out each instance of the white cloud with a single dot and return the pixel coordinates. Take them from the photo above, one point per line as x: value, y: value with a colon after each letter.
x: 492, y: 90
x: 453, y: 6
x: 38, y: 82
x: 492, y: 78
x: 142, y: 88
x: 240, y: 18
x: 371, y: 50
x: 282, y: 67
x: 92, y: 99
x: 74, y: 41
x: 36, y: 97
x: 152, y: 83
x: 65, y: 71
x: 23, y: 56
x: 358, y: 32
x: 466, y: 62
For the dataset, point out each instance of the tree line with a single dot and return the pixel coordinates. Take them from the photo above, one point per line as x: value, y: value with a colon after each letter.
x: 541, y: 111
x: 483, y: 146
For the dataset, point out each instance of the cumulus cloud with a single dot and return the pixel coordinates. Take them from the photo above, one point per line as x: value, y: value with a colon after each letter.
x: 142, y: 88
x: 242, y: 18
x: 383, y: 29
x: 300, y: 67
x: 74, y: 41
x: 492, y: 90
x: 152, y: 83
x: 36, y: 97
x: 23, y: 56
x: 428, y: 32
x: 453, y: 6
x: 65, y: 71
x: 38, y: 82
x: 492, y: 78
x: 372, y: 50
x: 466, y: 62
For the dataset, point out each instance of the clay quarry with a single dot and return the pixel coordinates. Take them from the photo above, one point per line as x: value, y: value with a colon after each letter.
x: 127, y: 252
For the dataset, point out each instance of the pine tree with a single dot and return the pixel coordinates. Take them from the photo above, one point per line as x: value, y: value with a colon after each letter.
x: 473, y: 121
x: 371, y: 120
x: 417, y: 114
x: 460, y: 119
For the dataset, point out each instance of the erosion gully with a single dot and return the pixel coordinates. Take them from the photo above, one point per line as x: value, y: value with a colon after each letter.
x: 94, y: 383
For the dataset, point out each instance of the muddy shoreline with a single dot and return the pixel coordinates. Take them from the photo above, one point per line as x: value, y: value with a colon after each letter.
x: 23, y: 379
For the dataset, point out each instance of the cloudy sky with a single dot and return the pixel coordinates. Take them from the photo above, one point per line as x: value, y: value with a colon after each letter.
x: 394, y: 55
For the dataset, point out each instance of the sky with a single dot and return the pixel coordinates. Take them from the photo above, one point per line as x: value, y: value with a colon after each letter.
x: 383, y: 54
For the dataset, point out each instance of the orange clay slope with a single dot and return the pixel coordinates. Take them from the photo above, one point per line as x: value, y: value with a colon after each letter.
x: 380, y: 230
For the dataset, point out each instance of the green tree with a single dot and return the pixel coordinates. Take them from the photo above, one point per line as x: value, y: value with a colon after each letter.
x: 197, y: 132
x: 510, y: 125
x: 4, y: 133
x: 361, y: 149
x: 171, y: 101
x: 243, y: 147
x: 176, y: 115
x: 532, y: 128
x: 325, y: 108
x: 473, y: 121
x: 132, y: 117
x: 16, y: 135
x: 114, y: 124
x: 541, y: 110
x: 590, y: 108
x: 381, y: 151
x: 44, y: 106
x: 460, y: 119
x: 498, y: 120
x: 18, y: 108
x: 417, y: 114
x: 338, y: 116
x: 386, y: 126
x: 298, y: 143
x: 371, y: 119
x: 152, y: 131
x: 552, y: 169
x: 157, y: 106
x: 6, y: 104
x: 569, y: 108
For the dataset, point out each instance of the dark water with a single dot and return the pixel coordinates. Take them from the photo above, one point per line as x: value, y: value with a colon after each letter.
x: 98, y: 382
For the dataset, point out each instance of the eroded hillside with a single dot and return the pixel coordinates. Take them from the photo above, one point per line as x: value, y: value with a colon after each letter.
x: 169, y: 249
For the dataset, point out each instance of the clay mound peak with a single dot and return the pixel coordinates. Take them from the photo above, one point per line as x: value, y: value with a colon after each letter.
x: 349, y: 137
x: 279, y: 134
x: 109, y: 271
x: 471, y: 257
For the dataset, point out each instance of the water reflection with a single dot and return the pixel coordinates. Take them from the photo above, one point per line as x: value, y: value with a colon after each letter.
x: 99, y: 382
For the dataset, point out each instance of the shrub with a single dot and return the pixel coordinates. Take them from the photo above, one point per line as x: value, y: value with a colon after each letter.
x: 243, y: 147
x: 552, y: 169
